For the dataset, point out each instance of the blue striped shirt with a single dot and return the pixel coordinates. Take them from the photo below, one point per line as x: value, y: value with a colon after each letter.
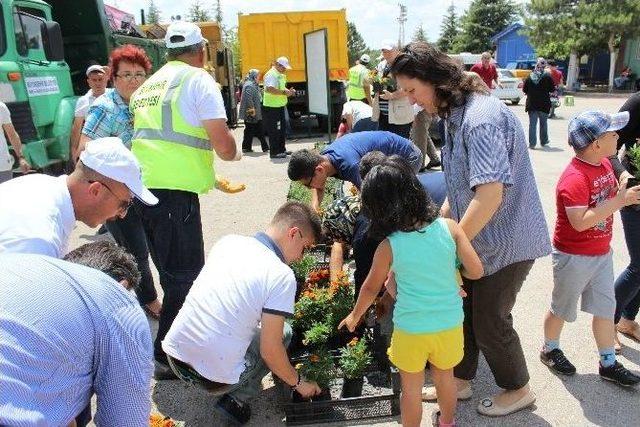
x: 109, y: 116
x: 485, y: 143
x: 66, y: 332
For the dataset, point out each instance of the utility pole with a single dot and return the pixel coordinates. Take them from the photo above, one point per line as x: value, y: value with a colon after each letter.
x: 402, y: 19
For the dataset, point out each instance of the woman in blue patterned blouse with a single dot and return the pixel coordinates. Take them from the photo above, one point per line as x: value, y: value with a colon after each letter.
x: 492, y: 193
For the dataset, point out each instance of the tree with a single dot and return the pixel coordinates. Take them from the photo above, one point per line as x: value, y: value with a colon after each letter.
x: 355, y: 43
x: 483, y: 19
x: 420, y: 35
x: 558, y: 28
x: 153, y: 14
x: 198, y: 13
x: 611, y: 21
x: 448, y: 30
x: 218, y: 12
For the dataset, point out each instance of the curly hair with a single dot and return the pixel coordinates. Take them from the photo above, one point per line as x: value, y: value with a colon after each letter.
x: 394, y: 200
x: 423, y: 61
x: 128, y: 53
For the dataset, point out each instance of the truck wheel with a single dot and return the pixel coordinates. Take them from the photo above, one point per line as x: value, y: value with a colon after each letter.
x: 515, y: 101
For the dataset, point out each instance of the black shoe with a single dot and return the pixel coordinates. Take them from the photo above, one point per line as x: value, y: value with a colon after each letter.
x: 433, y: 164
x: 247, y: 150
x: 619, y: 374
x: 103, y: 229
x: 236, y: 412
x: 288, y: 153
x: 265, y: 149
x: 278, y: 156
x: 557, y: 362
x: 162, y: 372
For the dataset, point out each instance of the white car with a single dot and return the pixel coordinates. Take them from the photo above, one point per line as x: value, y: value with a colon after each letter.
x: 511, y: 87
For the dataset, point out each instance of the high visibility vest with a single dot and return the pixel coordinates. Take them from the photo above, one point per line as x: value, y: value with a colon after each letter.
x: 173, y: 154
x: 355, y: 86
x: 271, y: 100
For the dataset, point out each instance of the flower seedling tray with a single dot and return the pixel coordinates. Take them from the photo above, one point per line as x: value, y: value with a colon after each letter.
x: 380, y: 398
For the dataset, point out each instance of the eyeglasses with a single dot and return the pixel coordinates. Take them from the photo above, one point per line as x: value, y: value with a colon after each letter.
x: 124, y: 204
x: 130, y: 76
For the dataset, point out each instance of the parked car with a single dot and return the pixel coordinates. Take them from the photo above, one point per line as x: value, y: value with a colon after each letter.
x: 511, y: 87
x: 522, y: 67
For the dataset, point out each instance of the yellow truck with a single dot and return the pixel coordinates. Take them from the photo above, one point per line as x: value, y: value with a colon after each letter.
x: 219, y: 61
x: 266, y: 36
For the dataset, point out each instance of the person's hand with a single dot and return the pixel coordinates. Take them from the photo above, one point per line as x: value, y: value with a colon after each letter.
x: 350, y: 322
x: 290, y: 92
x: 386, y: 95
x: 251, y: 111
x: 308, y: 389
x: 390, y: 285
x: 462, y: 292
x: 24, y: 165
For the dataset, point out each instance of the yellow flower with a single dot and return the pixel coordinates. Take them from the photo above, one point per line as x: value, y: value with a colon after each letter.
x: 353, y: 342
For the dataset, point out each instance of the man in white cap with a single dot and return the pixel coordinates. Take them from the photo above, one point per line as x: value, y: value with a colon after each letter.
x: 359, y: 84
x: 179, y: 121
x: 274, y: 102
x: 97, y: 79
x: 44, y: 209
x: 391, y: 109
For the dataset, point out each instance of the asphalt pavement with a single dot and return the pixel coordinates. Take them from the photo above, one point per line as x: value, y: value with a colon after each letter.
x: 581, y: 400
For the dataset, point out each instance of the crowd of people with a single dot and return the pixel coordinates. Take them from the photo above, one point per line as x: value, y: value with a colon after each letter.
x: 446, y: 251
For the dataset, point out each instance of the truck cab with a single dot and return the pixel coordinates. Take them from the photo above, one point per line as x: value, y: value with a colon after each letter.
x: 35, y: 81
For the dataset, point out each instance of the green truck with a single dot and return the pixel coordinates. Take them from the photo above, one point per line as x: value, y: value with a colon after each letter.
x: 45, y: 48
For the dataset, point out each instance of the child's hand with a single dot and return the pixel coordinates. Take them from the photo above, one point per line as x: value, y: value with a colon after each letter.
x: 628, y: 196
x: 350, y: 322
x: 462, y: 293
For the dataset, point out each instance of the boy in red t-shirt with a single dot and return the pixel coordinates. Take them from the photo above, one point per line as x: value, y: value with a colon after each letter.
x: 587, y: 195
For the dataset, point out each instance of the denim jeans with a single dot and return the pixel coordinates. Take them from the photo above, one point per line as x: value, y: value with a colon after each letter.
x: 250, y: 382
x: 174, y: 234
x: 129, y: 233
x: 534, y: 116
x: 628, y: 283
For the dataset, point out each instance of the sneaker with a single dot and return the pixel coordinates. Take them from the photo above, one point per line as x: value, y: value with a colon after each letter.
x: 247, y: 150
x: 288, y: 153
x: 619, y: 374
x: 236, y: 412
x: 278, y: 156
x: 557, y: 362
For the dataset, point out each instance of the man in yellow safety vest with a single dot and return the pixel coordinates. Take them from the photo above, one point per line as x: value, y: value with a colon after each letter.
x: 359, y: 86
x: 274, y: 102
x: 179, y: 120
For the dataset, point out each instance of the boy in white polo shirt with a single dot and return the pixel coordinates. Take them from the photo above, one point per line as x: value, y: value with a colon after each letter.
x: 229, y: 332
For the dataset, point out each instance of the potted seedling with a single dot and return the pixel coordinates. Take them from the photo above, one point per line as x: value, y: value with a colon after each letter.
x: 317, y: 367
x: 354, y: 359
x: 633, y: 166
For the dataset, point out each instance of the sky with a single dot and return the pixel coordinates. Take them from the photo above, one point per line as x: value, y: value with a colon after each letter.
x: 376, y: 20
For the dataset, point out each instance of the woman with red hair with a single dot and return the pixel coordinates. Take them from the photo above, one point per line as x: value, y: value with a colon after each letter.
x: 109, y: 115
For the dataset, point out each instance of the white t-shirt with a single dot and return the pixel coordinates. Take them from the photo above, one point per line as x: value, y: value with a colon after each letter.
x: 6, y: 160
x: 201, y: 99
x: 241, y: 279
x: 83, y: 104
x: 36, y: 215
x: 271, y: 80
x: 358, y: 110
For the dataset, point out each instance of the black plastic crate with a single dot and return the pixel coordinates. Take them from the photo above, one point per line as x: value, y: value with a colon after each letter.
x: 344, y: 409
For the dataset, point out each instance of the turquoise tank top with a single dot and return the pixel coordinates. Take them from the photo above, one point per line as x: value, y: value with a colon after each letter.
x: 424, y: 262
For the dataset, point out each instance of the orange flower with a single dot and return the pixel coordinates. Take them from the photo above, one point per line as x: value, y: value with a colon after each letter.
x: 314, y: 358
x: 353, y: 342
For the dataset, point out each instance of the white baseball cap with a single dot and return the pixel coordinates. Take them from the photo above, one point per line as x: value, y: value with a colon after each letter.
x: 183, y: 34
x: 388, y: 44
x: 365, y: 59
x: 95, y: 68
x: 284, y: 61
x: 109, y: 157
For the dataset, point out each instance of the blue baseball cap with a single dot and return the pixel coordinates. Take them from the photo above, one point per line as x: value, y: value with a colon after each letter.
x: 588, y: 126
